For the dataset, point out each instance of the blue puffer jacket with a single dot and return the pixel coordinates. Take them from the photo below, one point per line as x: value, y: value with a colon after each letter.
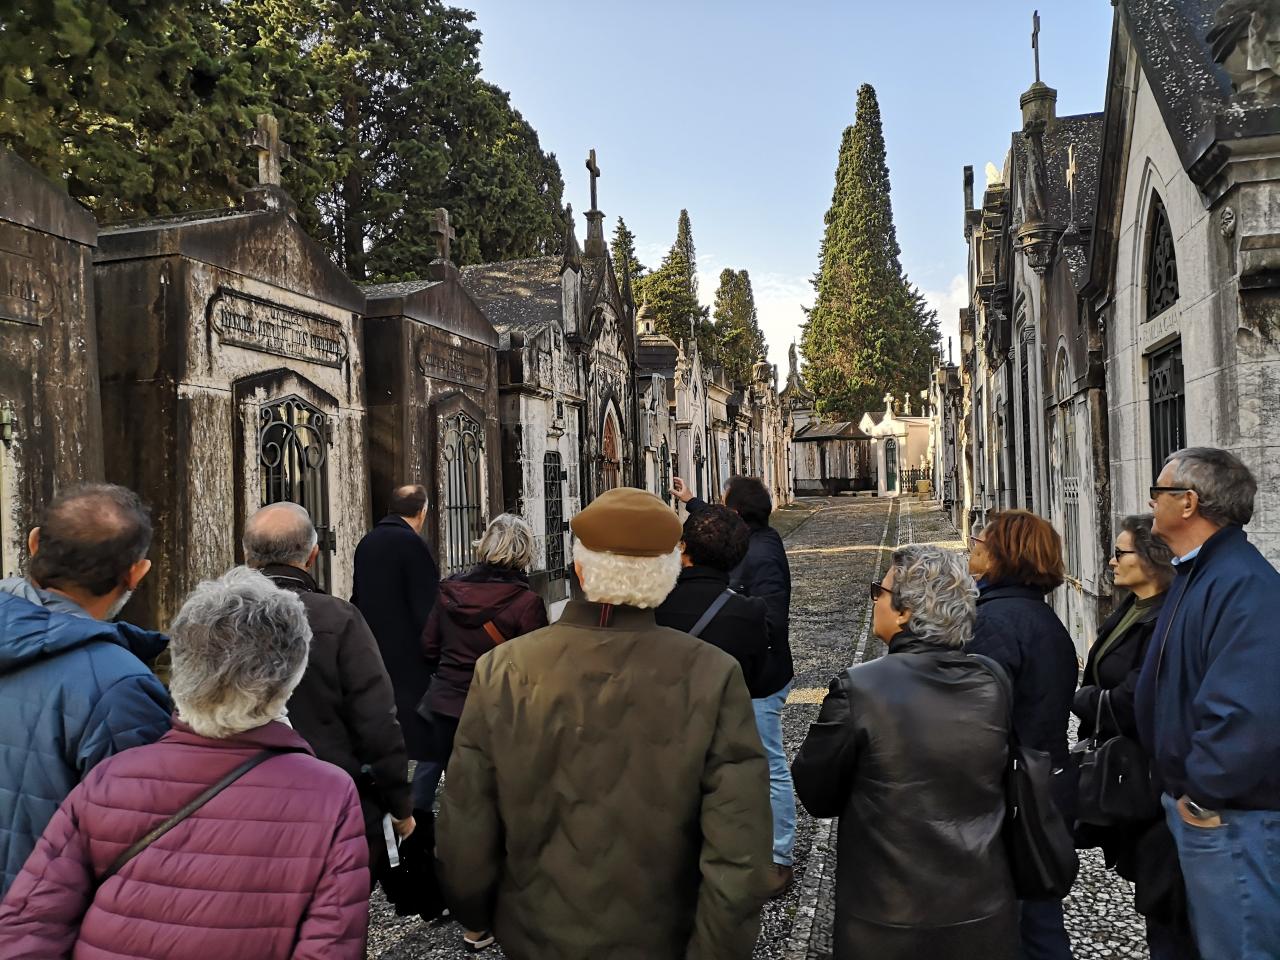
x: 1208, y: 705
x: 73, y: 691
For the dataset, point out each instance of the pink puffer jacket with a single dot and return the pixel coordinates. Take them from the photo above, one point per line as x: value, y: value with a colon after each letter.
x: 273, y: 868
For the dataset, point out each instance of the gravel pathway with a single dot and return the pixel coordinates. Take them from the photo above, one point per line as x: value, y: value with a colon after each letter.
x: 836, y: 546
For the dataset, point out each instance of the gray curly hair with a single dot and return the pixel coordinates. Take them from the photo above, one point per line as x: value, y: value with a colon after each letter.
x: 935, y: 585
x: 239, y: 647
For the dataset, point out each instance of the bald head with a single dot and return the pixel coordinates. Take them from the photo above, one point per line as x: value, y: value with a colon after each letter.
x: 279, y: 533
x: 409, y: 500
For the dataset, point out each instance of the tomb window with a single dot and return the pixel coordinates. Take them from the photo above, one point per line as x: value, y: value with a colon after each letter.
x: 463, y: 461
x: 611, y: 462
x: 553, y: 493
x: 293, y: 446
x: 1162, y: 265
x: 1068, y: 465
x: 1168, y: 404
x: 698, y: 462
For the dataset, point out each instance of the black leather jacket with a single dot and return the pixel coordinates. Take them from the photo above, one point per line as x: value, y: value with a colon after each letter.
x: 909, y: 752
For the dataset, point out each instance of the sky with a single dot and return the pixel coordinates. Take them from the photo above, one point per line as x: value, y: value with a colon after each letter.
x: 735, y: 109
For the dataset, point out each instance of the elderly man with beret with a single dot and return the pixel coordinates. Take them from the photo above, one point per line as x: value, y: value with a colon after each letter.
x: 608, y: 795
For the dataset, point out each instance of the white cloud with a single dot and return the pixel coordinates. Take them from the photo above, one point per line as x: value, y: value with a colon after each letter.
x: 948, y: 303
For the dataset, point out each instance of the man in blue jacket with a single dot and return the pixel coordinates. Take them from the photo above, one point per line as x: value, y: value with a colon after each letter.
x: 73, y: 689
x: 1208, y: 704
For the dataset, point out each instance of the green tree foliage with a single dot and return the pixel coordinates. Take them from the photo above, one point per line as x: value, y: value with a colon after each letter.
x: 672, y: 293
x: 869, y: 330
x: 739, y: 340
x: 142, y: 109
x: 623, y: 248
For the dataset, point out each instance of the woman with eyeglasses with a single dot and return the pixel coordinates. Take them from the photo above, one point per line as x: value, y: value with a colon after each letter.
x: 909, y: 752
x: 1142, y: 565
x: 1019, y: 564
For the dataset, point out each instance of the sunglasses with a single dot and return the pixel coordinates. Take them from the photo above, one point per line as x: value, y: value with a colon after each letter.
x: 1121, y: 554
x: 1155, y: 492
x: 877, y: 590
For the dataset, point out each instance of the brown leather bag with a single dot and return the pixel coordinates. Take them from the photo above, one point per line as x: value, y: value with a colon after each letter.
x: 494, y: 633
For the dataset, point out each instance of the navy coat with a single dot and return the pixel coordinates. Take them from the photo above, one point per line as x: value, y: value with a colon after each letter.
x: 1208, y: 703
x: 73, y: 691
x: 396, y: 582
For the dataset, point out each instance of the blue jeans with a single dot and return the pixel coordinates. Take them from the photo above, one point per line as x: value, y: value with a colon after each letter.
x: 782, y: 795
x: 1042, y: 931
x: 426, y: 777
x: 1232, y: 874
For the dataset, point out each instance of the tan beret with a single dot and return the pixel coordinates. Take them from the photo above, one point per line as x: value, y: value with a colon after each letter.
x: 628, y: 521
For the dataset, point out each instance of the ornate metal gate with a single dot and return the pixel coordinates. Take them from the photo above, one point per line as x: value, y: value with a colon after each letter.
x: 890, y: 465
x: 1168, y: 405
x: 553, y: 494
x: 463, y: 452
x: 293, y: 448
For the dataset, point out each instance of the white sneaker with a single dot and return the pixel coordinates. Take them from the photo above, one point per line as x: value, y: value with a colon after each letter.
x: 476, y: 941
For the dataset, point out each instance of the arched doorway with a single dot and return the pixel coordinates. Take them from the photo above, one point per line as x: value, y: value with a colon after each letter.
x: 890, y: 465
x: 611, y: 465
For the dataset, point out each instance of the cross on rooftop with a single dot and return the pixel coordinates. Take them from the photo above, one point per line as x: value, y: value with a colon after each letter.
x: 272, y: 151
x: 594, y: 170
x: 1035, y: 40
x: 444, y: 233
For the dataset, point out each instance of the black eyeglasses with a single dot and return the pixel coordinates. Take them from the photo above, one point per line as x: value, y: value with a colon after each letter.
x: 1156, y: 491
x: 1121, y: 554
x: 877, y: 590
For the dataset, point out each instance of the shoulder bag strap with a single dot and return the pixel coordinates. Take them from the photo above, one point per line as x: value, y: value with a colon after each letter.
x: 187, y: 810
x: 1002, y: 678
x: 710, y: 614
x: 494, y: 633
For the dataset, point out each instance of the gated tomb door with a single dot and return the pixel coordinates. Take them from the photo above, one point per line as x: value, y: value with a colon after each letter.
x: 890, y: 465
x: 463, y: 455
x: 293, y: 461
x: 609, y: 451
x: 553, y: 494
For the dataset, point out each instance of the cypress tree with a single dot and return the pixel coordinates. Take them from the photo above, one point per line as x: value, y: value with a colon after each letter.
x: 671, y: 291
x: 623, y: 248
x: 869, y: 331
x: 739, y: 340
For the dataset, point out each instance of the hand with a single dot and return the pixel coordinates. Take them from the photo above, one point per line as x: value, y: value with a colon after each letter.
x: 403, y: 827
x: 1191, y: 819
x: 680, y: 490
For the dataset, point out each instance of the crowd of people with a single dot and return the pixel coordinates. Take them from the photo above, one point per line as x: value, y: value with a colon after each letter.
x: 616, y: 783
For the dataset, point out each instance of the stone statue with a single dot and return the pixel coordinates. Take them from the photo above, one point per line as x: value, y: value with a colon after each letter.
x: 791, y: 358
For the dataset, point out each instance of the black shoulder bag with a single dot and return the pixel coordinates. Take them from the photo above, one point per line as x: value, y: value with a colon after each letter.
x: 188, y: 809
x: 1115, y: 776
x: 1041, y: 851
x: 710, y: 613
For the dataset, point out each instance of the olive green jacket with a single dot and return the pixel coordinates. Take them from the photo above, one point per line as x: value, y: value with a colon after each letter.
x: 608, y: 796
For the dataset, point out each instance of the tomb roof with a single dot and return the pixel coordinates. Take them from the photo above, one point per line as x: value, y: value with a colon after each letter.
x: 31, y: 200
x: 517, y: 294
x: 817, y: 430
x: 443, y: 304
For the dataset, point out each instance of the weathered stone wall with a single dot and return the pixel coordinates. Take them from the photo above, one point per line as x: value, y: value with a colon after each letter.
x: 50, y: 413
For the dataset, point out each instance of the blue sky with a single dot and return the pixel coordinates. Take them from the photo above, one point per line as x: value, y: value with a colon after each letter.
x: 735, y: 109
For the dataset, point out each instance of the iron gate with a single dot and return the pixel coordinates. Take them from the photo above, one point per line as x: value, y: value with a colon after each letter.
x: 293, y: 446
x: 463, y: 452
x: 1168, y: 405
x: 553, y: 493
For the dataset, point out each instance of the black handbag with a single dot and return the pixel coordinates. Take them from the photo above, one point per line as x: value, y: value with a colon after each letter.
x: 1115, y: 777
x: 1041, y: 851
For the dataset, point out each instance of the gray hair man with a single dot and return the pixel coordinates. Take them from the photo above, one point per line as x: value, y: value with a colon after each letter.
x: 74, y: 684
x: 344, y: 705
x: 632, y: 816
x: 1208, y: 706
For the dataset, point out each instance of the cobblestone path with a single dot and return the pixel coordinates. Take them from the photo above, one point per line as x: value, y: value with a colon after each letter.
x: 843, y: 544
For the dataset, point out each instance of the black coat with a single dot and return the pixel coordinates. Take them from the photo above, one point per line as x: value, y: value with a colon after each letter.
x: 909, y: 752
x: 1017, y: 629
x: 740, y: 628
x: 396, y: 582
x: 765, y: 573
x: 344, y: 706
x: 1116, y: 672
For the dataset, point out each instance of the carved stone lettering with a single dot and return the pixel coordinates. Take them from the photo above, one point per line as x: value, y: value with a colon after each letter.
x: 247, y: 321
x: 27, y: 265
x: 457, y: 363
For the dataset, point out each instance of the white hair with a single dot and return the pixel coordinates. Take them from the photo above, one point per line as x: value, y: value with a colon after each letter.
x: 630, y: 581
x: 507, y: 542
x: 935, y: 585
x: 239, y: 648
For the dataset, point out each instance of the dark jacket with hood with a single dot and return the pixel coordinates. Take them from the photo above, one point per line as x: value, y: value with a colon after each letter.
x: 1020, y: 631
x: 765, y: 573
x: 395, y: 588
x: 455, y: 636
x: 909, y: 752
x: 73, y: 691
x: 344, y: 706
x: 1208, y: 704
x: 740, y: 628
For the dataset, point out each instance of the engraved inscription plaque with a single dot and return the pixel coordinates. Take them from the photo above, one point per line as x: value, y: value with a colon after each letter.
x: 28, y: 261
x: 462, y: 362
x: 257, y: 324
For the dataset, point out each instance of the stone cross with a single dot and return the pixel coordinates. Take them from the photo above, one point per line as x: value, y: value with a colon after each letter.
x: 594, y: 169
x: 272, y: 151
x: 888, y: 403
x: 443, y: 232
x: 1035, y: 40
x: 1073, y: 170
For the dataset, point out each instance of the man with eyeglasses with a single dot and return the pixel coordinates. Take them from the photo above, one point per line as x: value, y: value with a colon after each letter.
x: 1208, y: 704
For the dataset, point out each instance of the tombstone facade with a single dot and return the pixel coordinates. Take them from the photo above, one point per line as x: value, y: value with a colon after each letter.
x: 432, y: 367
x: 50, y: 421
x: 232, y: 377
